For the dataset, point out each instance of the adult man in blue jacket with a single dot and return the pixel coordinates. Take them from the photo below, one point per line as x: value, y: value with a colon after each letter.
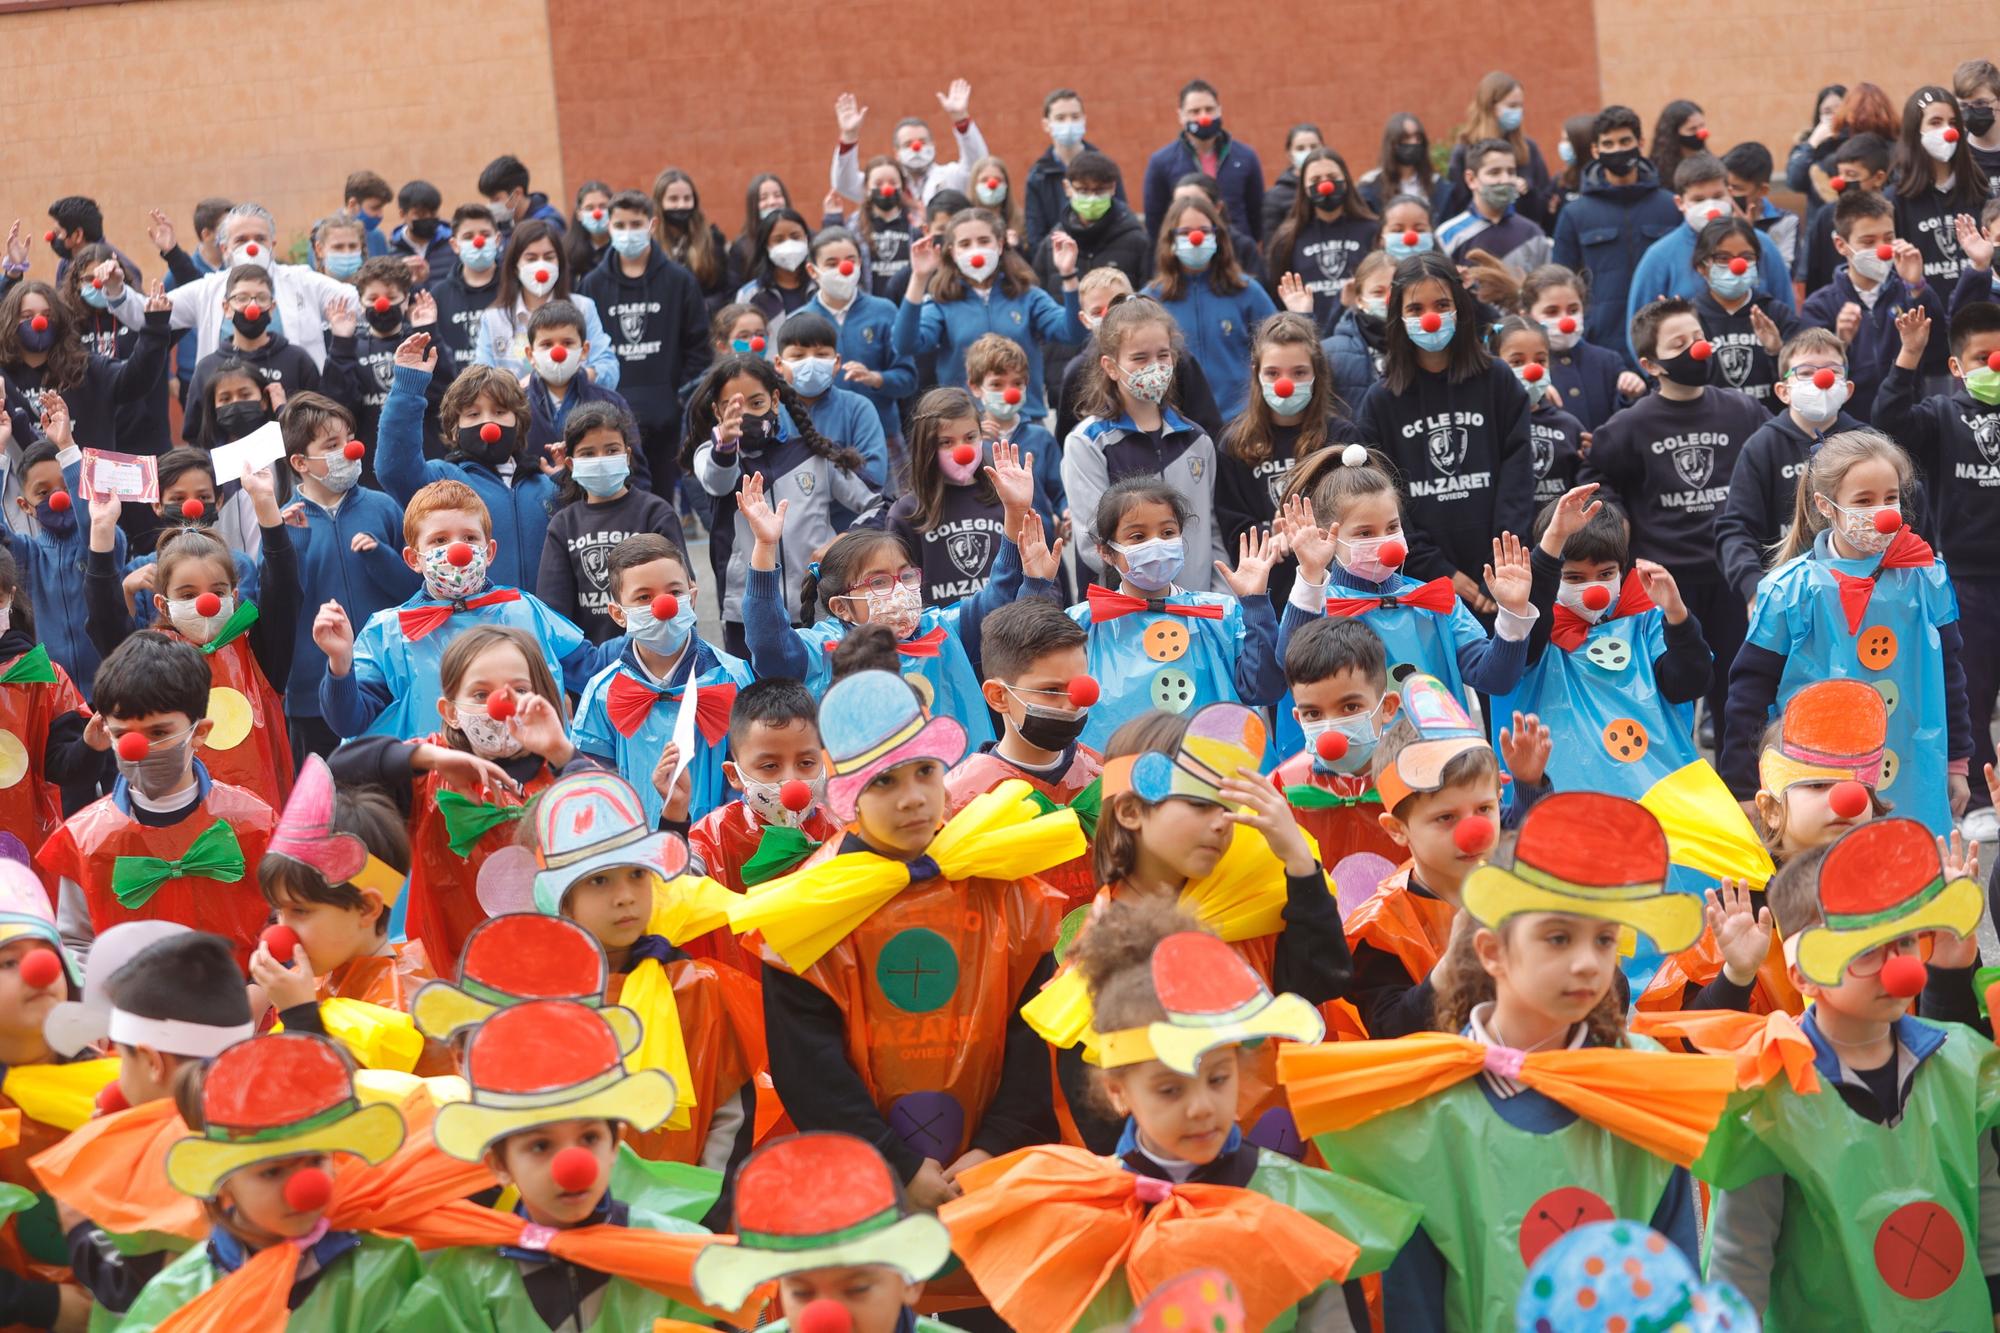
x: 1044, y: 196
x: 1701, y: 193
x: 1605, y: 230
x: 1203, y: 146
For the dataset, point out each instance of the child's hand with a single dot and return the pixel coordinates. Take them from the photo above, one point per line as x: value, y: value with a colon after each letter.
x: 1743, y: 936
x: 554, y: 460
x: 729, y: 424
x: 967, y: 1160
x: 1269, y: 813
x: 159, y: 230
x: 1013, y: 482
x: 848, y: 114
x: 1573, y: 512
x: 989, y: 429
x: 1507, y: 577
x: 1848, y: 322
x: 924, y: 261
x: 1659, y: 584
x: 539, y: 727
x: 110, y: 275
x: 17, y: 244
x: 95, y: 734
x: 341, y: 315
x: 1256, y: 553
x: 423, y: 310
x: 262, y: 488
x: 1293, y: 296
x: 156, y: 297
x: 1470, y: 593
x: 1063, y: 251
x: 1525, y: 746
x: 417, y: 353
x: 1909, y: 263
x: 1311, y: 544
x: 1630, y: 385
x: 680, y: 795
x: 930, y: 1190
x: 767, y: 525
x: 139, y: 583
x: 362, y: 541
x: 286, y: 987
x: 334, y: 636
x: 856, y: 373
x: 1960, y: 858
x: 466, y: 773
x: 1960, y: 792
x: 1914, y: 325
x: 1972, y: 243
x: 56, y: 423
x: 1038, y: 559
x: 104, y: 513
x: 1766, y: 332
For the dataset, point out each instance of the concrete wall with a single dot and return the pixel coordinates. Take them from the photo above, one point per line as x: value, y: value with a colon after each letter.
x: 169, y: 101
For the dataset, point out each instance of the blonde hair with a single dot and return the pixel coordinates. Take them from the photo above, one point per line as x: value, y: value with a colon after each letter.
x: 1107, y: 276
x: 1829, y: 466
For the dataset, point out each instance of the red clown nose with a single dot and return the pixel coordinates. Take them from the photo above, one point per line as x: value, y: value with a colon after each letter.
x: 1325, y: 187
x: 1533, y: 372
x: 1739, y: 266
x: 1701, y: 351
x: 353, y: 450
x: 1847, y: 800
x: 281, y: 942
x: 252, y: 311
x: 59, y: 501
x: 192, y: 509
x: 1331, y: 745
x: 1083, y: 691
x: 1012, y: 395
x: 1391, y: 553
x: 1431, y: 322
x: 208, y: 604
x: 1566, y: 325
x: 1904, y: 975
x: 666, y: 606
x: 963, y: 455
x: 1885, y: 253
x: 40, y: 969
x: 490, y: 433
x: 1473, y: 835
x: 1596, y: 597
x: 847, y: 268
x: 309, y: 1190
x: 381, y: 305
x: 502, y: 706
x: 1825, y: 379
x: 1197, y: 236
x: 795, y: 795
x: 559, y: 354
x: 1283, y: 388
x: 573, y: 1169
x: 1409, y: 238
x: 1838, y: 183
x: 824, y: 1316
x: 40, y: 323
x: 111, y: 1099
x: 1887, y: 520
x: 458, y: 555
x: 132, y: 747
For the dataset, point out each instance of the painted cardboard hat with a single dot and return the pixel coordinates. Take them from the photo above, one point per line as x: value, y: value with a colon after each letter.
x: 1625, y: 1275
x: 279, y: 1096
x: 511, y: 959
x: 542, y: 1061
x: 305, y: 834
x: 1204, y: 1301
x: 75, y: 1024
x: 1879, y: 882
x: 1832, y: 731
x: 869, y: 723
x: 1212, y: 998
x: 1444, y: 732
x: 591, y: 821
x: 24, y: 909
x: 1220, y: 739
x: 1593, y: 855
x: 817, y: 1201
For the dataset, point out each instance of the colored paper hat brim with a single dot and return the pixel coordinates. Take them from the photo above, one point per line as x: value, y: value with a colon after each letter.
x: 1777, y: 772
x: 1181, y: 1046
x: 1419, y: 768
x: 465, y: 1129
x: 941, y: 738
x: 663, y: 853
x: 441, y: 1010
x: 198, y: 1166
x: 916, y: 1246
x: 75, y: 1024
x: 1672, y: 921
x: 1824, y: 952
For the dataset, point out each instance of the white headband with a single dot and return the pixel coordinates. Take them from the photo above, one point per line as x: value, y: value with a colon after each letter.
x: 172, y: 1036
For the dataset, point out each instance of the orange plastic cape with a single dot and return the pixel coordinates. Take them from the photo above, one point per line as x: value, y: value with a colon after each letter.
x: 113, y: 1170
x: 1762, y: 1045
x: 1666, y: 1104
x: 1415, y: 929
x: 1042, y: 1230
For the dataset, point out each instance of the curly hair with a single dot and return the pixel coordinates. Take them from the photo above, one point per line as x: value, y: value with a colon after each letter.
x: 1464, y: 983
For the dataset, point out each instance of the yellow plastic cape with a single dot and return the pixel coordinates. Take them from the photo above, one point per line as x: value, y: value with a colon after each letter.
x: 1002, y: 834
x: 377, y: 1036
x: 60, y: 1095
x: 649, y: 993
x: 1706, y: 829
x: 690, y: 906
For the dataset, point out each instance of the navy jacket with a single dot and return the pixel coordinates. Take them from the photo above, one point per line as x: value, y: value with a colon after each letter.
x: 1587, y: 378
x: 1239, y: 178
x: 1606, y: 230
x: 1354, y: 351
x: 330, y: 570
x: 1046, y: 201
x: 1876, y: 343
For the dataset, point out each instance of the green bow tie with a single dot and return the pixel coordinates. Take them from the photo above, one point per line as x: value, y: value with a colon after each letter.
x: 214, y: 855
x: 779, y: 852
x: 1088, y: 805
x: 466, y: 821
x: 31, y: 668
x: 242, y: 618
x: 1307, y: 797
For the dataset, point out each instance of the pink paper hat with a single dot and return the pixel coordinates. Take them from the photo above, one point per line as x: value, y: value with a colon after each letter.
x: 305, y: 834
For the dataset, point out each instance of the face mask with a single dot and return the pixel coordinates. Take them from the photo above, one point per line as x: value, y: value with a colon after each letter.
x: 1560, y: 341
x: 36, y: 341
x: 60, y: 246
x: 840, y: 288
x: 677, y: 217
x: 1570, y: 595
x: 1691, y: 142
x: 1535, y: 388
x: 424, y: 229
x: 1684, y: 370
x: 448, y: 582
x: 1150, y: 383
x: 1376, y: 309
x: 758, y: 431
x: 489, y: 739
x: 763, y: 800
x: 997, y: 406
x: 6, y: 618
x: 955, y: 472
x: 162, y: 771
x: 370, y: 222
x: 1299, y: 156
x: 1362, y: 737
x: 478, y: 258
x: 194, y: 628
x: 1499, y: 194
x: 917, y: 157
x: 1399, y: 250
x: 899, y: 609
x: 1090, y: 207
x: 1857, y: 526
x: 1409, y: 154
x: 1207, y: 130
x: 632, y: 242
x: 1620, y: 163
x: 94, y: 297
x: 55, y: 523
x: 601, y: 478
x: 1702, y: 212
x: 788, y: 255
x: 1567, y: 152
x: 1867, y: 266
x: 235, y: 420
x: 1066, y: 133
x: 550, y: 271
x: 1049, y: 728
x: 242, y: 255
x: 1432, y: 342
x: 479, y: 451
x: 662, y: 636
x: 991, y: 195
x: 1978, y: 119
x: 1728, y: 284
x: 554, y: 371
x: 1934, y: 143
x: 765, y: 212
x: 596, y: 221
x: 503, y: 213
x: 981, y: 265
x: 1816, y: 404
x: 1331, y: 202
x: 1154, y: 565
x: 1193, y: 257
x: 1509, y: 118
x: 248, y: 327
x: 341, y: 473
x: 384, y: 322
x: 813, y: 376
x: 1984, y: 385
x: 1288, y: 407
x: 343, y: 264
x: 1362, y: 557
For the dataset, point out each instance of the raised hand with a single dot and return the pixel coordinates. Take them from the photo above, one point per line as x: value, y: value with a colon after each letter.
x: 416, y: 353
x: 1742, y: 936
x: 1573, y: 511
x: 1470, y: 593
x: 1914, y: 327
x: 849, y: 114
x: 1266, y: 810
x: 341, y: 316
x: 423, y: 310
x: 767, y: 525
x: 1063, y: 251
x: 1526, y: 746
x: 1507, y: 578
x: 538, y: 725
x: 924, y: 261
x: 17, y: 245
x: 1972, y: 243
x: 1848, y: 322
x: 156, y: 297
x: 334, y: 635
x: 56, y: 422
x: 1293, y: 296
x: 1256, y: 553
x: 1661, y: 587
x: 462, y: 771
x: 1909, y: 263
x: 957, y: 101
x: 1039, y: 560
x: 110, y: 275
x: 729, y: 423
x: 1311, y: 544
x: 1766, y: 332
x: 1011, y: 478
x: 159, y: 230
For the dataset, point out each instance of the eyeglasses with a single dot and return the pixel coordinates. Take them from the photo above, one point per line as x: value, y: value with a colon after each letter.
x: 884, y: 584
x: 1870, y: 963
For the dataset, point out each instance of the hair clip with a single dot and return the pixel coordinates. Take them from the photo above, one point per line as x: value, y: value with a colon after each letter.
x: 812, y: 568
x: 1354, y: 455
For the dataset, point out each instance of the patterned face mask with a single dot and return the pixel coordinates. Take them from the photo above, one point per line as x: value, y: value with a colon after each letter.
x: 448, y: 582
x: 490, y: 738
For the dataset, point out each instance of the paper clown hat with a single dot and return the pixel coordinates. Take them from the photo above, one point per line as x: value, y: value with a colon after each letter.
x: 1625, y: 1275
x: 869, y: 723
x: 25, y: 913
x: 279, y: 1096
x: 1444, y: 732
x: 305, y: 834
x: 1219, y: 739
x: 1879, y: 882
x: 542, y: 1061
x: 817, y: 1201
x: 515, y: 958
x: 1212, y: 998
x: 1589, y: 854
x: 589, y: 822
x: 1204, y: 1301
x: 1832, y: 731
x: 75, y: 1024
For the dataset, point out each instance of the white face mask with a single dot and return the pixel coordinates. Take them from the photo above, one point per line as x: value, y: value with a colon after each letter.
x: 1700, y: 214
x: 899, y: 609
x: 917, y: 159
x: 1816, y: 404
x: 554, y: 371
x: 251, y: 252
x: 539, y: 275
x: 1570, y: 595
x: 490, y: 739
x: 1560, y: 341
x: 981, y: 265
x: 1857, y: 526
x: 1934, y: 143
x: 762, y: 797
x: 198, y: 629
x: 1867, y: 265
x: 788, y: 255
x: 840, y: 288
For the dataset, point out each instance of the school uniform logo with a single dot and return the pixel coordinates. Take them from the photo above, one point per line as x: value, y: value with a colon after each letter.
x: 1695, y: 463
x: 868, y: 336
x: 595, y: 559
x: 385, y: 372
x: 1986, y: 434
x: 970, y: 551
x: 1541, y: 452
x: 631, y: 324
x: 806, y: 481
x: 1448, y: 446
x: 1196, y: 466
x: 1738, y: 359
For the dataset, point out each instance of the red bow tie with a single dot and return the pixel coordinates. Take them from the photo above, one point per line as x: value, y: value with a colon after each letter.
x: 1106, y: 605
x: 1570, y: 628
x: 924, y: 645
x: 417, y: 621
x: 1433, y: 596
x: 1906, y: 551
x: 630, y: 702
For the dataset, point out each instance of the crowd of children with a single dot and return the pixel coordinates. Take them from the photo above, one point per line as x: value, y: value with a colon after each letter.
x: 1323, y: 757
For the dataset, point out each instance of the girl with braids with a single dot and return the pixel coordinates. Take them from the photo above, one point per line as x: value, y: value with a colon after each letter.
x: 745, y: 421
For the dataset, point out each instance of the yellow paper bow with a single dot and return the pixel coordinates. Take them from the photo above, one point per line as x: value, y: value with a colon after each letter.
x: 60, y: 1095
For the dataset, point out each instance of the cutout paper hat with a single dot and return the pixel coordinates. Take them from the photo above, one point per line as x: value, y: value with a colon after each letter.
x: 1629, y: 1276
x: 1444, y: 732
x: 1877, y: 883
x: 75, y: 1024
x: 1212, y: 998
x: 1204, y: 1301
x: 516, y: 958
x: 1832, y: 731
x: 1591, y: 855
x: 25, y: 913
x: 279, y: 1096
x: 305, y: 834
x: 869, y: 723
x: 542, y: 1061
x: 588, y: 822
x: 817, y: 1201
x: 1220, y: 739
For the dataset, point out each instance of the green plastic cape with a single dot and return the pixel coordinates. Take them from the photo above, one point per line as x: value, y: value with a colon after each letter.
x: 358, y: 1294
x: 669, y: 1189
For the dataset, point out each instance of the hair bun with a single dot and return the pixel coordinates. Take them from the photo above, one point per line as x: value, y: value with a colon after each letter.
x: 1354, y: 455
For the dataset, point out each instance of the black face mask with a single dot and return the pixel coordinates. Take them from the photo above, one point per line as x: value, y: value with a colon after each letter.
x: 251, y: 328
x: 890, y: 204
x: 1208, y: 131
x: 759, y: 431
x: 479, y: 451
x: 1691, y: 142
x: 59, y: 245
x: 677, y: 217
x: 1685, y: 371
x: 1620, y: 163
x: 1049, y: 729
x: 1978, y: 119
x: 385, y: 322
x: 1409, y: 154
x: 425, y: 229
x: 235, y: 420
x: 1742, y: 202
x: 1330, y: 203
